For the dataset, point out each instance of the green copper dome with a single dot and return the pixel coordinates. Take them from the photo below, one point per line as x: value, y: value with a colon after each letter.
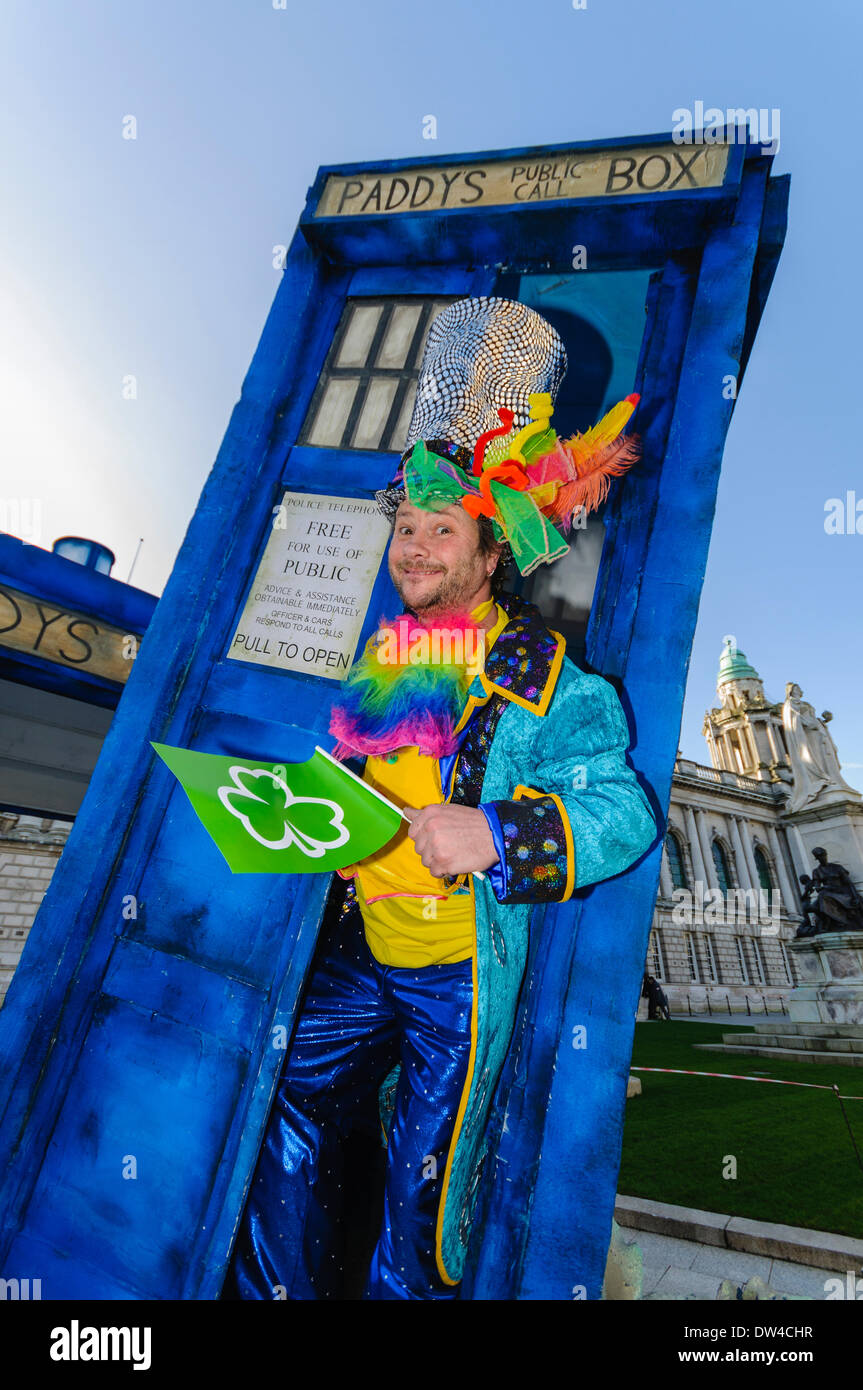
x: 733, y: 665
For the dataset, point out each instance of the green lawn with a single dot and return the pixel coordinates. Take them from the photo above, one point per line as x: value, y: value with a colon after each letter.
x: 795, y: 1160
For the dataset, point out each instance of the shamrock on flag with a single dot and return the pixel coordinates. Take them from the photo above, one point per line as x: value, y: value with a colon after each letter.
x: 283, y: 818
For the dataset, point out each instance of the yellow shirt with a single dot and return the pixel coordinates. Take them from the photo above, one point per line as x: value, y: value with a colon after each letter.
x: 411, y: 918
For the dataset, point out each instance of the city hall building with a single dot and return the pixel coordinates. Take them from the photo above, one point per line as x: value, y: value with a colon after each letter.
x: 740, y: 835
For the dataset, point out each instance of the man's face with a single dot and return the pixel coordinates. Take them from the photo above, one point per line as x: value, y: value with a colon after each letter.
x: 435, y: 561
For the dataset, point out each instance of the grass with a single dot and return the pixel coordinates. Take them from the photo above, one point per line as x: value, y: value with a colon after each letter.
x: 795, y: 1160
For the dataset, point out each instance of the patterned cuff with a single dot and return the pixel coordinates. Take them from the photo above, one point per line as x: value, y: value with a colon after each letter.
x: 538, y: 849
x: 496, y: 874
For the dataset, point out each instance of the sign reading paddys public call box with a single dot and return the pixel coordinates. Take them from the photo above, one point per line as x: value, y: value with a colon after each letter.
x: 309, y: 598
x: 568, y: 174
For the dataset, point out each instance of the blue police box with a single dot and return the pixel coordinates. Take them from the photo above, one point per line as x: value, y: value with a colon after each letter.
x: 138, y: 1064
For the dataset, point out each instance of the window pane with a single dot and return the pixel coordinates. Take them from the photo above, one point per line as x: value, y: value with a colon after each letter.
x: 711, y: 959
x: 721, y: 865
x: 376, y: 409
x: 372, y: 364
x: 333, y: 412
x: 763, y: 871
x: 354, y: 351
x: 400, y: 433
x: 693, y: 959
x: 436, y: 308
x: 399, y: 335
x: 675, y: 861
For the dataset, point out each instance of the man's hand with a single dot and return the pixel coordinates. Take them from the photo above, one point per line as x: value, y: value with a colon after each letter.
x: 451, y: 839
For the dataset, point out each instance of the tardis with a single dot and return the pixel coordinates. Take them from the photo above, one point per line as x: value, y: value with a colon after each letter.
x: 138, y: 1065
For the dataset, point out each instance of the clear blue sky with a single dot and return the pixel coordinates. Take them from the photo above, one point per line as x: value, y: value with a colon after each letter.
x: 153, y: 257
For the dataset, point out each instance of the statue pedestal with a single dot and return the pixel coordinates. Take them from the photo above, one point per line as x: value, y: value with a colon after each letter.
x: 836, y: 822
x: 830, y: 967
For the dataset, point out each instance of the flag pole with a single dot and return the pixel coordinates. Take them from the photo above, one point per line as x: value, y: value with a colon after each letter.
x: 476, y: 872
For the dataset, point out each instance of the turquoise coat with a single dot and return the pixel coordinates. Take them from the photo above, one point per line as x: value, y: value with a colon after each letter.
x: 545, y: 747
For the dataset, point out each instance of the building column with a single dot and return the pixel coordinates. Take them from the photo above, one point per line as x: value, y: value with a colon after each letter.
x: 695, y: 846
x: 764, y: 754
x: 786, y: 887
x: 666, y: 883
x: 715, y: 753
x: 750, y: 745
x: 799, y: 853
x: 704, y: 840
x: 749, y: 851
x: 771, y: 739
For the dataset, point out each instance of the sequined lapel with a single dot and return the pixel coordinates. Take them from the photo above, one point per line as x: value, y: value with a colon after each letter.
x: 525, y: 661
x: 523, y: 668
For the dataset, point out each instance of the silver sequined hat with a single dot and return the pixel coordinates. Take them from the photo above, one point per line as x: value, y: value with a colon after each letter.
x: 481, y: 353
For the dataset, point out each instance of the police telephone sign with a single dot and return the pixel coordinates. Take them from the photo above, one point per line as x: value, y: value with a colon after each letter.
x: 307, y: 604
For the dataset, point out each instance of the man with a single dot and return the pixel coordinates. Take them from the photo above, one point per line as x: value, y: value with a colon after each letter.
x: 657, y: 1002
x: 517, y: 792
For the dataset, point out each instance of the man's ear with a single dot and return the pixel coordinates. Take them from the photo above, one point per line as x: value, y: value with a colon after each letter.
x: 494, y: 557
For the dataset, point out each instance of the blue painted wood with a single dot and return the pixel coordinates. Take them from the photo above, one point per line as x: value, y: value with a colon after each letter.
x: 142, y: 1018
x: 24, y: 669
x: 148, y: 1031
x: 526, y: 238
x: 59, y: 580
x: 773, y: 226
x: 55, y: 582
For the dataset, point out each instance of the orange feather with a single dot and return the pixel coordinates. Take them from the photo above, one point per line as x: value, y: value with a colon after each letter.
x: 594, y: 473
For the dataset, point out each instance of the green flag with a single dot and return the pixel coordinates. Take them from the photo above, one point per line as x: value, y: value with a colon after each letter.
x: 283, y: 818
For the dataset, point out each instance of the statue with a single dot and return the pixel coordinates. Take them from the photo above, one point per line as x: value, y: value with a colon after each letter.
x: 838, y: 905
x: 811, y: 751
x: 809, y: 925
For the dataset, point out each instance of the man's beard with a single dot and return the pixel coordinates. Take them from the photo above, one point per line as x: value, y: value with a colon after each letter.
x: 451, y: 595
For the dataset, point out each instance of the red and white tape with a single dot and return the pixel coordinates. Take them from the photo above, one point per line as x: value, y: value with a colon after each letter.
x: 731, y: 1076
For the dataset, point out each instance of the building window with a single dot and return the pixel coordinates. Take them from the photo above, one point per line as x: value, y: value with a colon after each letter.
x: 365, y: 394
x: 675, y: 860
x: 741, y: 959
x: 694, y: 972
x: 786, y: 961
x: 762, y: 868
x: 759, y: 962
x: 720, y: 860
x: 655, y: 957
x: 710, y: 957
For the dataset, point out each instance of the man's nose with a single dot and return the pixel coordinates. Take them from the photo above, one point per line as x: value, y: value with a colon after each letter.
x: 416, y: 545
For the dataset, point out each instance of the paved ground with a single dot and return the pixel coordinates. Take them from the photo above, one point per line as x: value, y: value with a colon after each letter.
x: 678, y: 1267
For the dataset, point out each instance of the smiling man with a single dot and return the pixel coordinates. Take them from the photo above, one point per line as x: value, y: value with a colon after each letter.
x: 513, y: 776
x: 440, y: 562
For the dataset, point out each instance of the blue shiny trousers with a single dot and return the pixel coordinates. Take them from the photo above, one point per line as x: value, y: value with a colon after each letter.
x: 358, y: 1019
